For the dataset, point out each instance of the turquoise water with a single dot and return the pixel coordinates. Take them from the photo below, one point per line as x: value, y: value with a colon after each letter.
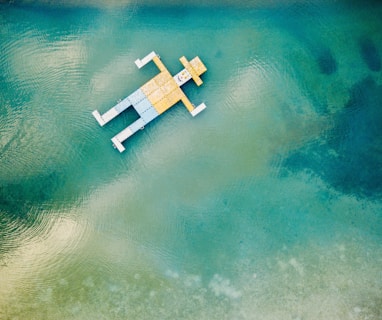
x: 265, y: 206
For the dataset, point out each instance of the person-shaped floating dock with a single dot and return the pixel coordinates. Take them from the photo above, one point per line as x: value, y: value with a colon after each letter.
x: 155, y: 96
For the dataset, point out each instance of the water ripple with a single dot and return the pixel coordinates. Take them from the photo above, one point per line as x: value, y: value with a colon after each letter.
x: 172, y: 227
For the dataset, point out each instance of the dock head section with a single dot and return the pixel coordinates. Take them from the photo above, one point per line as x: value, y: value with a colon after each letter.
x: 195, y: 67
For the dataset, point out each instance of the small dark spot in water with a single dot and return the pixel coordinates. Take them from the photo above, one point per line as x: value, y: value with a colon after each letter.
x: 350, y: 156
x: 218, y: 54
x: 370, y: 54
x: 326, y: 61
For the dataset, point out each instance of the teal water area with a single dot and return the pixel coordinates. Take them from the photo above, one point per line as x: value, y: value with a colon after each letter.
x: 267, y: 205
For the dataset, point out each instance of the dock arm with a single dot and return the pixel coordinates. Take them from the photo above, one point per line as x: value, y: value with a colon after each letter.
x: 142, y: 62
x: 152, y: 56
x: 191, y: 108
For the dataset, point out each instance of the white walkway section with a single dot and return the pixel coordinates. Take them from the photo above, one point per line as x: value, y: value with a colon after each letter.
x: 111, y: 113
x: 106, y: 117
x: 198, y: 109
x: 118, y: 144
x: 126, y: 133
x: 142, y: 62
x: 120, y: 137
x: 182, y: 77
x: 98, y: 117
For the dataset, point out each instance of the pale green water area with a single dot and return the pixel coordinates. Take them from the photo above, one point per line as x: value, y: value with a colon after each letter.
x: 267, y: 205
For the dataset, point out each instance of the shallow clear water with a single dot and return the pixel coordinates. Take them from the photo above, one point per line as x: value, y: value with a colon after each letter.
x: 265, y: 206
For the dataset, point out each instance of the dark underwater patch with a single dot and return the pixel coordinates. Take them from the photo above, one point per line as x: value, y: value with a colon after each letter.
x: 23, y: 204
x: 370, y: 54
x: 349, y: 157
x: 292, y: 21
x: 326, y: 61
x: 218, y: 54
x: 17, y: 199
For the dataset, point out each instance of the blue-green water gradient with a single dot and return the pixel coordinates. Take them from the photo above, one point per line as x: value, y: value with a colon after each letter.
x: 267, y: 205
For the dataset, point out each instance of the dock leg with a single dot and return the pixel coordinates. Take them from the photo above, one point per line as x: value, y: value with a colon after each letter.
x: 98, y: 117
x: 187, y: 103
x: 126, y: 133
x: 118, y: 144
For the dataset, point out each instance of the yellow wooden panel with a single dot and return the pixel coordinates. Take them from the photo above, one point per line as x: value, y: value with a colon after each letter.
x: 187, y: 103
x: 149, y: 87
x: 169, y: 86
x: 191, y: 70
x: 155, y: 96
x: 162, y: 105
x: 198, y: 65
x: 175, y: 96
x: 183, y: 60
x: 197, y: 80
x: 162, y: 78
x: 159, y: 64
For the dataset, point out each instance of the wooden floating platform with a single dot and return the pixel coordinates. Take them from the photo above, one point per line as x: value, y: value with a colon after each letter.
x: 155, y: 96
